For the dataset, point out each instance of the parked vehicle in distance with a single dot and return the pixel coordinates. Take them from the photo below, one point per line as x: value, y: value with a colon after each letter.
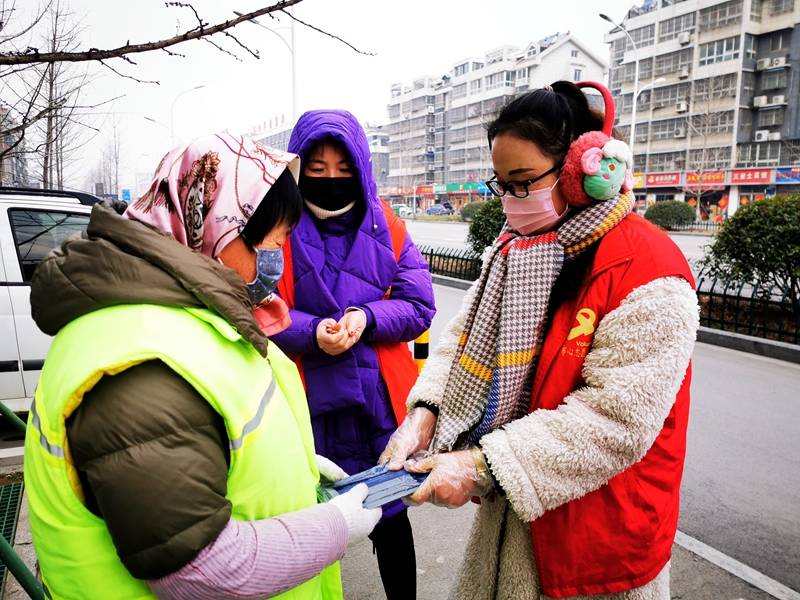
x: 401, y: 210
x: 440, y: 209
x: 32, y: 223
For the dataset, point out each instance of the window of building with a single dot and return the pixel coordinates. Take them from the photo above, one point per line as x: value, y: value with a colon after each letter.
x: 475, y: 86
x: 670, y: 28
x: 778, y: 7
x: 460, y: 91
x: 476, y: 66
x: 712, y: 123
x: 643, y: 36
x: 770, y: 117
x: 666, y: 161
x: 497, y: 80
x: 720, y: 15
x: 618, y: 49
x: 672, y: 62
x: 37, y: 232
x: 712, y: 88
x: 394, y: 111
x: 667, y: 128
x: 576, y: 75
x: 719, y: 51
x: 755, y: 10
x: 574, y: 53
x: 773, y: 80
x: 670, y: 94
x: 709, y: 158
x: 750, y: 47
x: 460, y: 70
x: 758, y: 154
x: 778, y: 41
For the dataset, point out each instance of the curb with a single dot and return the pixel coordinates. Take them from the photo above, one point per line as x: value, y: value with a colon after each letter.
x: 750, y: 344
x: 706, y: 335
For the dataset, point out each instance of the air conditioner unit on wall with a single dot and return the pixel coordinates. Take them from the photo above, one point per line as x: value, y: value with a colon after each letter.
x: 760, y: 101
x: 680, y: 132
x: 430, y: 149
x: 682, y: 107
x: 683, y: 73
x: 684, y: 37
x: 431, y: 129
x: 778, y: 61
x: 762, y: 135
x: 775, y: 136
x: 761, y: 64
x: 430, y: 109
x: 778, y: 99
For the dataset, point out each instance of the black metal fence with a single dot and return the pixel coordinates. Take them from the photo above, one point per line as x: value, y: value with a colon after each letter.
x: 761, y: 311
x: 708, y: 227
x: 460, y: 263
x: 766, y: 312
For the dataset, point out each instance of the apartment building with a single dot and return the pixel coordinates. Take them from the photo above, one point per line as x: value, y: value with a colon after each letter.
x: 717, y: 117
x: 437, y: 125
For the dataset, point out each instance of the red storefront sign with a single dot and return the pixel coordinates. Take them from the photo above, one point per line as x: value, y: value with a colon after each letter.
x: 662, y: 179
x: 424, y: 189
x: 751, y: 176
x: 706, y: 178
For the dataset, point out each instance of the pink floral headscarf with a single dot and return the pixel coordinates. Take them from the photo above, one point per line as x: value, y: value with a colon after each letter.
x: 203, y: 194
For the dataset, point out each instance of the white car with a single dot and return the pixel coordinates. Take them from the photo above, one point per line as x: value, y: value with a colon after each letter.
x: 32, y: 223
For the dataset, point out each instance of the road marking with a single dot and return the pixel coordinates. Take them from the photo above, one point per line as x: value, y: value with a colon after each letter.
x: 736, y: 568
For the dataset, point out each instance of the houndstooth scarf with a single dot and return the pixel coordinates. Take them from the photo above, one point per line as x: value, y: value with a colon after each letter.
x: 491, y: 375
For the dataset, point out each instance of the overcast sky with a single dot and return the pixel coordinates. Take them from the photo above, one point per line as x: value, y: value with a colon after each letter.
x: 409, y: 38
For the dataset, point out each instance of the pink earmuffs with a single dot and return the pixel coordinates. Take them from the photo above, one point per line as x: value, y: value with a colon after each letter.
x: 597, y: 167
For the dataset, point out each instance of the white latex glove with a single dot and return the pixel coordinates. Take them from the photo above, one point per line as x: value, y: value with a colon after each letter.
x: 360, y: 521
x: 329, y: 470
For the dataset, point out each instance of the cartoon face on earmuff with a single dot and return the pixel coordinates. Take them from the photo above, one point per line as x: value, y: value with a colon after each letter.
x: 597, y: 167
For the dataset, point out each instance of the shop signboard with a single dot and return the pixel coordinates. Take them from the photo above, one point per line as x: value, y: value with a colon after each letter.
x: 707, y: 178
x: 662, y: 179
x: 751, y: 176
x: 638, y: 181
x: 787, y: 175
x: 424, y: 190
x: 439, y: 188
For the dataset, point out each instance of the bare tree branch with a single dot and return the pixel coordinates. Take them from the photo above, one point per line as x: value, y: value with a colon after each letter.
x: 317, y: 29
x: 33, y: 24
x: 32, y: 55
x: 221, y: 49
x: 131, y: 77
x: 235, y: 39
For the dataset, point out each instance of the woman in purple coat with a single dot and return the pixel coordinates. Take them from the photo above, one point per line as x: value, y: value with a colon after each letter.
x: 343, y: 263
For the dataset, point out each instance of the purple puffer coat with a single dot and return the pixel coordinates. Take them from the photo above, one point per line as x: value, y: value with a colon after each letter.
x: 342, y: 262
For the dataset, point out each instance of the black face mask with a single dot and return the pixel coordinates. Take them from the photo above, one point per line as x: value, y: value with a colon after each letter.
x: 330, y: 193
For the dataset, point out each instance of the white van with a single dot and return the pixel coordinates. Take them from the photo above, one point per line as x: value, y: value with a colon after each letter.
x: 32, y: 223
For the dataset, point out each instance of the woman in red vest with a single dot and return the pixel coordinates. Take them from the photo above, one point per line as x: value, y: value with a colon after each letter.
x: 560, y: 392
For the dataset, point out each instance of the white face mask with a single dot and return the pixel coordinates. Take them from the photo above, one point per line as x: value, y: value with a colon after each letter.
x: 534, y: 214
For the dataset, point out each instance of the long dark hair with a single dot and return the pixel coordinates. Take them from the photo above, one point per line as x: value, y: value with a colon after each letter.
x: 282, y: 204
x: 550, y: 118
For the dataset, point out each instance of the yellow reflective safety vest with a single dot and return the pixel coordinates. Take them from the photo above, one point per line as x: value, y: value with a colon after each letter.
x: 272, y: 463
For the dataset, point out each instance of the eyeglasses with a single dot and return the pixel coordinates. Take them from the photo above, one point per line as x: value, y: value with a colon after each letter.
x: 518, y: 189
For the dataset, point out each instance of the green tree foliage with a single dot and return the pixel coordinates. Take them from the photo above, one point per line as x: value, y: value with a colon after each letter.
x: 469, y: 210
x: 486, y: 225
x: 670, y: 214
x: 760, y: 244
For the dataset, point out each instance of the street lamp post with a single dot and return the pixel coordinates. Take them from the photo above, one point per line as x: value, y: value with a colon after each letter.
x: 172, y: 112
x: 635, y: 75
x: 290, y: 48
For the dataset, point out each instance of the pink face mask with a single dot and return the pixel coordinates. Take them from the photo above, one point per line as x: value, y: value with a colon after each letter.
x: 534, y: 214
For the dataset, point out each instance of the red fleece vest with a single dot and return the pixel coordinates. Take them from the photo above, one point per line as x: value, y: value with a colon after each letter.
x: 620, y: 536
x: 396, y: 364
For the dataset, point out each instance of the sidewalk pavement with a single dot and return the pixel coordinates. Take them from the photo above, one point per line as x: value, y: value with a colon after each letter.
x: 440, y: 536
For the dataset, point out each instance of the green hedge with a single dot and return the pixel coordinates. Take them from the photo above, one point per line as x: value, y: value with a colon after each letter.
x: 670, y: 214
x: 486, y: 225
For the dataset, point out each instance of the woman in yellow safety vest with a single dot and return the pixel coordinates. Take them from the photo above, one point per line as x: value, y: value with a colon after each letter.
x: 169, y: 451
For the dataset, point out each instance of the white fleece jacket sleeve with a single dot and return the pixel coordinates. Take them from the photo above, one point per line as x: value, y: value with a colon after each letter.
x: 636, y: 365
x: 431, y: 382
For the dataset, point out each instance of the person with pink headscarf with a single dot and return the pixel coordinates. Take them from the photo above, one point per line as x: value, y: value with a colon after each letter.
x: 187, y: 442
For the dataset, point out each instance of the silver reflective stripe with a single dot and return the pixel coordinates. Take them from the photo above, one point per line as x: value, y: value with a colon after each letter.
x: 256, y: 420
x: 51, y: 448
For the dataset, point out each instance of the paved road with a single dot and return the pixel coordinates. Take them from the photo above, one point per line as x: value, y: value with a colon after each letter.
x: 454, y: 235
x: 741, y: 488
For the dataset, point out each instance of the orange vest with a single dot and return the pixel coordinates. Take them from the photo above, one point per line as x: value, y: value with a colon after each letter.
x: 396, y: 364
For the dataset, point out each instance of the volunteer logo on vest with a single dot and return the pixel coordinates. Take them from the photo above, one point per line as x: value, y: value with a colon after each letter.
x: 579, y: 338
